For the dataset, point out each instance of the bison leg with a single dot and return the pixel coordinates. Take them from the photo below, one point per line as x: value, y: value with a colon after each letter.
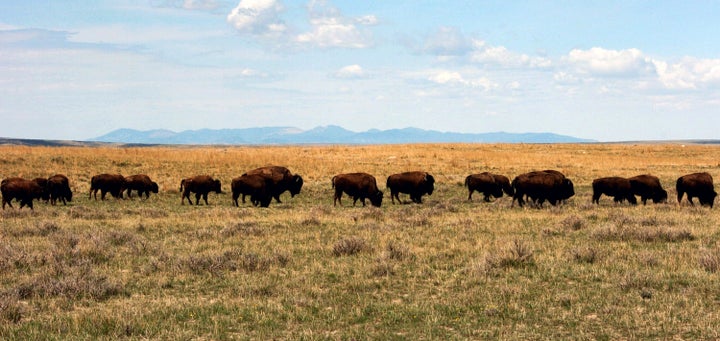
x: 680, y: 196
x: 235, y: 197
x: 205, y: 195
x: 338, y: 197
x: 470, y: 194
x: 197, y: 198
x: 690, y: 200
x: 277, y: 198
x: 243, y: 198
x: 596, y: 198
x: 487, y: 197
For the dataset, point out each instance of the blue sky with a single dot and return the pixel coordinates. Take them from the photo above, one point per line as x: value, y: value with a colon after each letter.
x: 605, y: 70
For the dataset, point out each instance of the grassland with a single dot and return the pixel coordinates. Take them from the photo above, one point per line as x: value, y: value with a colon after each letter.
x: 303, y: 269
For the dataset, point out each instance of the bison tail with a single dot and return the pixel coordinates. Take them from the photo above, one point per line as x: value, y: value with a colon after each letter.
x: 333, y: 181
x: 182, y: 184
x: 467, y: 181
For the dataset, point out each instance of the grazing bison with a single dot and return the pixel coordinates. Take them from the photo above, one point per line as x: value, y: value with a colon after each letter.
x: 282, y: 180
x: 142, y: 184
x: 113, y: 183
x: 201, y: 185
x: 259, y: 189
x: 358, y: 186
x: 59, y: 188
x: 416, y: 184
x: 614, y: 186
x: 539, y: 186
x: 21, y: 189
x: 698, y: 185
x: 648, y: 187
x: 488, y: 184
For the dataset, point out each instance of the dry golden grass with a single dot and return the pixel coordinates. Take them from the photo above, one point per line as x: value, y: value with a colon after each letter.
x: 446, y: 269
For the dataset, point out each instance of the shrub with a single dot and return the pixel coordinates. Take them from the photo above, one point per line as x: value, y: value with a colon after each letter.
x: 349, y: 246
x: 517, y: 255
x: 710, y: 260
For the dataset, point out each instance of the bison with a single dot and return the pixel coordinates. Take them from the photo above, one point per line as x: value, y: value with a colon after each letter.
x: 358, y: 186
x: 21, y: 189
x: 648, y: 187
x: 614, y: 186
x: 259, y: 189
x: 698, y: 185
x: 113, y: 183
x: 58, y: 186
x: 142, y: 184
x: 201, y: 185
x: 488, y: 184
x: 282, y: 180
x: 416, y: 184
x: 539, y: 186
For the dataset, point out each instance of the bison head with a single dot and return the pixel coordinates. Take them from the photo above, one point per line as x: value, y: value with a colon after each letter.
x: 429, y: 184
x: 215, y: 187
x: 376, y: 199
x: 660, y: 196
x: 154, y: 187
x: 567, y: 190
x: 295, y: 185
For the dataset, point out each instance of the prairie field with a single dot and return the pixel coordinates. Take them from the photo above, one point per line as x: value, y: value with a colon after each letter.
x: 448, y: 268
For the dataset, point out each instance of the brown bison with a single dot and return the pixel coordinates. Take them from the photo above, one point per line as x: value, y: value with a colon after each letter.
x: 614, y: 186
x: 113, y: 183
x: 648, y: 187
x: 258, y: 187
x: 698, y: 185
x: 282, y: 180
x: 201, y: 185
x: 142, y: 184
x: 539, y: 186
x: 416, y: 184
x: 58, y: 186
x: 358, y: 186
x: 488, y: 184
x: 21, y: 189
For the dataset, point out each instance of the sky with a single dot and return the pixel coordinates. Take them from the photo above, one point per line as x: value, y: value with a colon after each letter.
x: 603, y: 70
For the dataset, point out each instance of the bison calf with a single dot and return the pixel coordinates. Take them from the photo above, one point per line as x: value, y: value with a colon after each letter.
x: 113, y: 183
x: 358, y: 186
x: 142, y: 184
x: 489, y: 185
x: 614, y: 186
x: 416, y: 184
x: 201, y: 185
x: 698, y: 185
x: 259, y: 189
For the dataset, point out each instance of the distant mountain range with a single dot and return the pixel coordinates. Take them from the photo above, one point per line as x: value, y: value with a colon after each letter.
x: 322, y: 135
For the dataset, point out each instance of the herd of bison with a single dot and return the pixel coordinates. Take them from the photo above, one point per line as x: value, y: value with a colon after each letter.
x: 265, y: 183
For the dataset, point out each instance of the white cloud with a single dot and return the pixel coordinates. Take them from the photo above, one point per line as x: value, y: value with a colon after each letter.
x: 604, y: 62
x: 367, y: 20
x: 500, y: 55
x: 690, y: 73
x: 351, y: 72
x: 453, y: 78
x: 331, y: 29
x: 258, y: 17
